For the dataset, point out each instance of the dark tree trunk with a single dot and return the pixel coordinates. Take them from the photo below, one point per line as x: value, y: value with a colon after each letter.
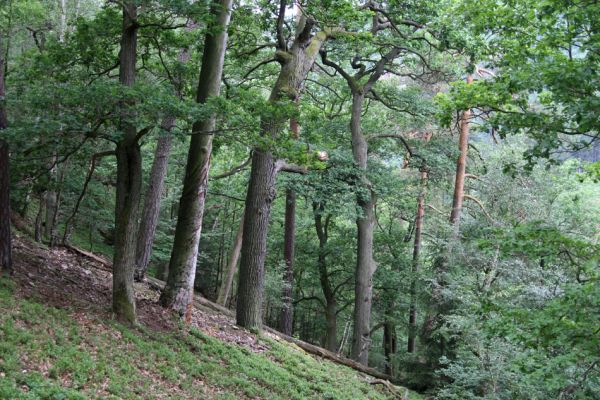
x: 295, y: 65
x: 178, y: 292
x: 129, y: 179
x: 365, y: 265
x: 412, y: 317
x: 151, y: 210
x: 461, y: 166
x: 231, y: 267
x: 389, y: 345
x: 5, y: 237
x: 289, y: 240
x: 37, y: 230
x: 322, y: 229
x: 287, y: 311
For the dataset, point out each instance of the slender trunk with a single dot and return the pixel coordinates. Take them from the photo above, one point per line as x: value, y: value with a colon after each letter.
x: 296, y: 63
x: 178, y: 292
x: 53, y: 239
x: 365, y: 265
x: 129, y: 179
x: 37, y: 232
x: 231, y: 267
x: 412, y: 317
x: 63, y: 21
x: 289, y: 240
x: 51, y: 199
x: 389, y: 346
x: 322, y: 228
x: 5, y: 237
x: 461, y: 166
x: 287, y: 311
x: 151, y: 210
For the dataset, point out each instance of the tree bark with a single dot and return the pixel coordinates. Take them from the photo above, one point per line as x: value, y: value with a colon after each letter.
x: 322, y: 229
x: 365, y: 265
x: 129, y: 179
x: 231, y: 267
x: 461, y: 166
x: 261, y: 192
x: 37, y: 230
x: 412, y: 317
x: 289, y: 240
x: 5, y: 236
x: 178, y: 292
x: 151, y: 210
x: 389, y: 345
x: 295, y: 65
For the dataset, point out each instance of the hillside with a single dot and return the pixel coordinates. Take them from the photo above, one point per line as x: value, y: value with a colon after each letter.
x: 58, y: 341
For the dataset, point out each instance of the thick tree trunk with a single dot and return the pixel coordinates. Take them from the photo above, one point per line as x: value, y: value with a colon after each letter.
x: 261, y: 192
x: 231, y: 267
x: 5, y: 237
x: 365, y: 265
x: 129, y: 180
x: 412, y: 317
x: 461, y: 166
x: 151, y: 210
x: 178, y: 292
x: 296, y: 63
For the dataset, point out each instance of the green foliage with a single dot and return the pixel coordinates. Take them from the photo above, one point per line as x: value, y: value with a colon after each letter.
x: 53, y: 354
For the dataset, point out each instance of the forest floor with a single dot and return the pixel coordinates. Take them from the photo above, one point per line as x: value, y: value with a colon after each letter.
x: 58, y: 341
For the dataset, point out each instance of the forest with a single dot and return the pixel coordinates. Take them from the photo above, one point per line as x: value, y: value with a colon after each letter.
x: 194, y: 191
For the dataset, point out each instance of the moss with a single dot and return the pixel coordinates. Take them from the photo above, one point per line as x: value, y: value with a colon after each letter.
x: 45, y: 353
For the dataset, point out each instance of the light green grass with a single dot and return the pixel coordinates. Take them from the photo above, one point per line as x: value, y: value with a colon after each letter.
x: 47, y: 353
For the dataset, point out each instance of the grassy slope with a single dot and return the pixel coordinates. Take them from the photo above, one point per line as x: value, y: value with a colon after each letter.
x: 51, y: 353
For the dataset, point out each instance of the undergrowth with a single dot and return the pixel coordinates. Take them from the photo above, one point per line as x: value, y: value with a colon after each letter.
x: 50, y: 353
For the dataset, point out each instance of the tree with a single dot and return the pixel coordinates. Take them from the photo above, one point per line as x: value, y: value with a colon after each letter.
x: 178, y: 292
x: 5, y: 237
x: 129, y: 177
x: 296, y: 60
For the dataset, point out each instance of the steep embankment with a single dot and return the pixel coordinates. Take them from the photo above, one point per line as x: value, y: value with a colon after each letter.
x: 57, y: 341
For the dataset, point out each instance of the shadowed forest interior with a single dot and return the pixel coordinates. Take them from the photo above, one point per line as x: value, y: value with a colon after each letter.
x: 300, y: 199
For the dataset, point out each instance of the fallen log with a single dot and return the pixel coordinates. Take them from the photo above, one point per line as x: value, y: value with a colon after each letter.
x: 89, y: 255
x: 309, y: 348
x: 204, y: 303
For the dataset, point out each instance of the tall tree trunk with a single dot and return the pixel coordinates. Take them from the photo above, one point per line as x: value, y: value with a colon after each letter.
x: 389, y: 345
x: 295, y: 65
x: 178, y: 292
x: 231, y: 267
x: 5, y: 237
x: 37, y: 230
x: 129, y: 179
x: 461, y: 166
x: 322, y: 229
x: 151, y: 210
x: 412, y: 317
x: 365, y: 265
x: 261, y: 192
x: 51, y: 199
x: 289, y: 243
